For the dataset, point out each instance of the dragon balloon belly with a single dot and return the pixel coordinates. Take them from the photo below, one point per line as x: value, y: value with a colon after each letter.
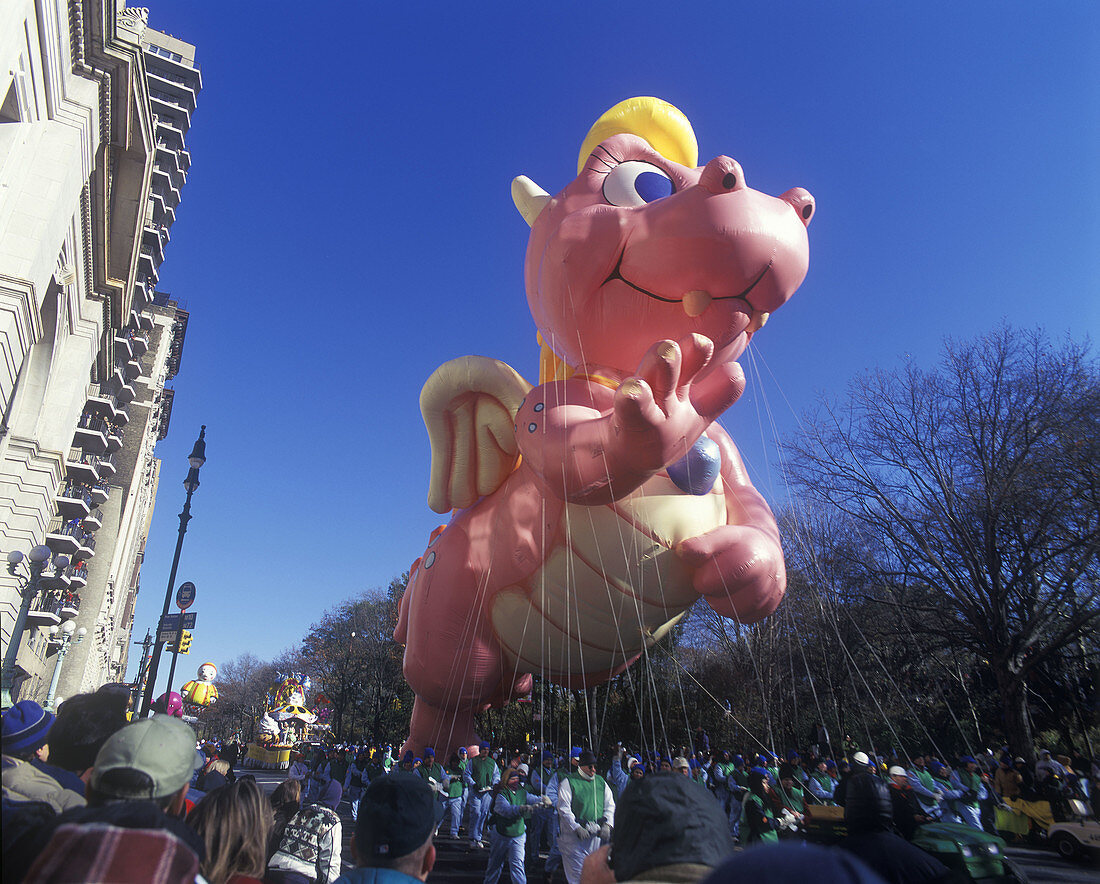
x: 611, y: 583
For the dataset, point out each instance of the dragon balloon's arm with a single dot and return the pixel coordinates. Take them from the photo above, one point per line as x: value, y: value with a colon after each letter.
x: 592, y: 444
x: 739, y: 566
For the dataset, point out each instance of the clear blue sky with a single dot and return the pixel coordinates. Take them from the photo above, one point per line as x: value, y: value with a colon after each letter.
x: 347, y: 227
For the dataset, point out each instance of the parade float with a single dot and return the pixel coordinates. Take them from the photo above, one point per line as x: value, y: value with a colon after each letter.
x: 286, y: 721
x: 591, y: 510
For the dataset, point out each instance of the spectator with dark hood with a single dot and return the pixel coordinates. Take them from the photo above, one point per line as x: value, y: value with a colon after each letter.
x: 309, y: 850
x: 131, y: 829
x: 84, y: 723
x: 393, y: 834
x: 667, y: 830
x: 868, y: 817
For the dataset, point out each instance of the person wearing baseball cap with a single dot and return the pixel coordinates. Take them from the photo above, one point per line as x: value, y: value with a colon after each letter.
x: 586, y: 815
x: 433, y: 773
x: 393, y: 836
x: 131, y: 829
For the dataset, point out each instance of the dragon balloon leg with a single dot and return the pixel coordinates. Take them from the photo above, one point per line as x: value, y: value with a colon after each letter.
x: 591, y: 511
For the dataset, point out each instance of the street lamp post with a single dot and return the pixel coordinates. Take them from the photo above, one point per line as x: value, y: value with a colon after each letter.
x: 36, y: 561
x: 62, y: 637
x: 196, y: 459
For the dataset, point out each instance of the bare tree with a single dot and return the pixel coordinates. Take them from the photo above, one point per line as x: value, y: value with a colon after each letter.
x: 976, y: 488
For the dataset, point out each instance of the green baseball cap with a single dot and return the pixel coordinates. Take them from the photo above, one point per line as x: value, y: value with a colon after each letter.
x: 148, y: 759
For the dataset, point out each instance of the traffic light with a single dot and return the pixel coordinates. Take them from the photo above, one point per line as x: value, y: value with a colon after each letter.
x: 185, y: 641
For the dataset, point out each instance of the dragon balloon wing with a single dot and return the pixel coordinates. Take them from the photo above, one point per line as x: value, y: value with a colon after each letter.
x: 469, y: 406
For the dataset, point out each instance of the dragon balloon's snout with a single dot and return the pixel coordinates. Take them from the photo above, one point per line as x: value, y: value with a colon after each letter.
x: 802, y: 201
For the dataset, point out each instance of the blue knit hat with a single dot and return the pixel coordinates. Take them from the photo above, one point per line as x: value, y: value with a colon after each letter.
x: 575, y: 752
x: 26, y: 727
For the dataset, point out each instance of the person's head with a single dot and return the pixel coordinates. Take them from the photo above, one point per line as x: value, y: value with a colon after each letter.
x: 1005, y: 762
x: 898, y: 776
x: 861, y: 761
x: 970, y: 763
x: 738, y: 761
x: 26, y: 731
x: 666, y: 765
x: 84, y: 723
x: 429, y: 756
x: 574, y: 756
x: 331, y: 793
x: 586, y: 764
x: 408, y: 761
x: 287, y: 797
x: 785, y: 862
x: 758, y: 781
x: 234, y: 822
x: 463, y: 753
x: 664, y: 820
x: 786, y: 775
x: 682, y: 766
x: 149, y: 760
x: 512, y: 778
x: 397, y: 815
x: 867, y: 806
x: 918, y: 762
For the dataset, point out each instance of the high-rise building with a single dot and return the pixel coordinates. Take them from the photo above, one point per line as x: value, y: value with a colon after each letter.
x: 93, y: 159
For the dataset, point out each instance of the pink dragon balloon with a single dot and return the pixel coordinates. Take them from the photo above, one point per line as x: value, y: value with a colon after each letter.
x: 592, y: 510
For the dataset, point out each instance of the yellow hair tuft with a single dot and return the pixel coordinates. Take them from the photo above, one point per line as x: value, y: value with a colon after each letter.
x: 665, y: 128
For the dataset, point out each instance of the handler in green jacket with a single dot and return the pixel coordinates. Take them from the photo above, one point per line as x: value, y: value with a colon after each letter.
x: 586, y: 814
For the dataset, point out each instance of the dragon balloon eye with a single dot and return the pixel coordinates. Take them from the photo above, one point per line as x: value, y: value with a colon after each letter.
x: 635, y: 183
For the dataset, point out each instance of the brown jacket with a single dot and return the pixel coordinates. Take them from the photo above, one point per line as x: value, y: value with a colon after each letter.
x: 1007, y: 782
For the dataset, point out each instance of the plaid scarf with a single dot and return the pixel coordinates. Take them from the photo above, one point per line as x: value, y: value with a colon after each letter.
x: 97, y: 853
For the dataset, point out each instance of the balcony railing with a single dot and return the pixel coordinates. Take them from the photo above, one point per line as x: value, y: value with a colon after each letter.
x: 74, y: 499
x: 77, y: 574
x: 82, y: 465
x: 46, y: 610
x: 100, y: 491
x: 139, y: 341
x: 70, y: 604
x: 89, y: 420
x: 91, y: 432
x: 94, y: 520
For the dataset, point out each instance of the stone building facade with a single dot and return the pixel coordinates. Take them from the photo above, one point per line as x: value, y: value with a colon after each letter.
x: 96, y: 109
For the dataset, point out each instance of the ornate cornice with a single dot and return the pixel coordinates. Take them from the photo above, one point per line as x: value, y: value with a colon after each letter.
x: 131, y: 23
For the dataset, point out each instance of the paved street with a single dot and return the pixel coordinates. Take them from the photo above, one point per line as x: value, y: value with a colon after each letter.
x: 457, y: 864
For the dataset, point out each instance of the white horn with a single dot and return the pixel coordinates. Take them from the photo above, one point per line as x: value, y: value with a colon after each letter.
x: 529, y: 198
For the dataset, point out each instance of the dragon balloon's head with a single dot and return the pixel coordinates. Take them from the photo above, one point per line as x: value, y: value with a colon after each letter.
x: 646, y: 245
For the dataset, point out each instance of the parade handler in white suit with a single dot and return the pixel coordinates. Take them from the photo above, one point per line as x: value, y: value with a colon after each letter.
x: 586, y: 815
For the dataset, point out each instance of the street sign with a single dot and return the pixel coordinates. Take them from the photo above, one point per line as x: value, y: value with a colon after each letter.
x: 185, y: 596
x: 168, y: 635
x: 170, y: 621
x: 187, y: 621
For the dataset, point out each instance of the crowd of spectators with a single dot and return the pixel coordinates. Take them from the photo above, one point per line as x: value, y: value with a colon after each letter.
x: 92, y: 796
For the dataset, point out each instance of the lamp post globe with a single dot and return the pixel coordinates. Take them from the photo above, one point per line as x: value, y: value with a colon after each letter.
x: 34, y: 562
